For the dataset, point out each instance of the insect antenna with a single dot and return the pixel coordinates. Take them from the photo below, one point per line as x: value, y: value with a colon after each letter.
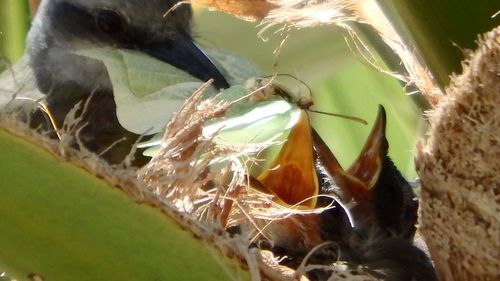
x: 348, y: 117
x: 306, y: 103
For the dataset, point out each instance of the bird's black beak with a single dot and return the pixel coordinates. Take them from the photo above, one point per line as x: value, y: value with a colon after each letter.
x: 185, y: 55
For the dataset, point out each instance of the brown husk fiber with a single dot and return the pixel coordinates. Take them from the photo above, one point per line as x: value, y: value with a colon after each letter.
x: 459, y: 166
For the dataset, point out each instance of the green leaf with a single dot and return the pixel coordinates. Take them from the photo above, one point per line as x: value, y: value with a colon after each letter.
x: 247, y: 122
x: 441, y: 30
x: 148, y: 91
x: 266, y: 121
x: 62, y: 223
x: 236, y: 69
x: 147, y: 75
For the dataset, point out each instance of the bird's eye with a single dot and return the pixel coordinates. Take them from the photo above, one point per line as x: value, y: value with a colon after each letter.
x: 109, y: 21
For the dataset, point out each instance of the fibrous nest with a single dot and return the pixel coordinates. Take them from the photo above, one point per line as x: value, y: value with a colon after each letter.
x: 207, y: 182
x: 297, y: 14
x: 459, y: 167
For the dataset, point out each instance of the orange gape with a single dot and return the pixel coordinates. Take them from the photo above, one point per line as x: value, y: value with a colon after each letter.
x: 371, y: 215
x: 292, y: 177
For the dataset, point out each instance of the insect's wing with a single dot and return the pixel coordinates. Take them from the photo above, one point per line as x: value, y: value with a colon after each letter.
x: 148, y: 91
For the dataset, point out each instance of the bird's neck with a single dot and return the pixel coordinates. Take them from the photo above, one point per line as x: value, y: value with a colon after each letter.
x: 56, y: 66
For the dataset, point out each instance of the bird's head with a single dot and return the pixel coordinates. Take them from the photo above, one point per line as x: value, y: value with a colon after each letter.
x: 381, y: 195
x: 62, y: 27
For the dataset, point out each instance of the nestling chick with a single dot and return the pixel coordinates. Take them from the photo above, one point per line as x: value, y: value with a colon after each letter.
x: 375, y: 233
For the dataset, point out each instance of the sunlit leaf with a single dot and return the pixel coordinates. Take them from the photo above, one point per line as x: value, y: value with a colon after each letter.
x: 250, y: 122
x: 148, y: 91
x: 236, y: 70
x: 266, y: 121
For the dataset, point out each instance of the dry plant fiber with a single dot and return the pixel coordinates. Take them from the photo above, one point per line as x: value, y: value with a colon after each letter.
x: 459, y: 166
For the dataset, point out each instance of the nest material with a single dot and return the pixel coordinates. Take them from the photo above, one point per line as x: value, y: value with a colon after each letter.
x: 198, y: 182
x: 297, y: 14
x: 459, y: 166
x: 206, y: 181
x: 249, y: 10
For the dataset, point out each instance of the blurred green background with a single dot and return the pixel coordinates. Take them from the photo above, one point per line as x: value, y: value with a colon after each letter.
x: 14, y: 22
x: 340, y: 82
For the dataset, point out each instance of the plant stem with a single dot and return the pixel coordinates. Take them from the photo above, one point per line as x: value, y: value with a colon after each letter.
x: 14, y: 22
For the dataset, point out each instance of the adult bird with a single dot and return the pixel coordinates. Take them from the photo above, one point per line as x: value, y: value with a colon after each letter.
x: 63, y: 27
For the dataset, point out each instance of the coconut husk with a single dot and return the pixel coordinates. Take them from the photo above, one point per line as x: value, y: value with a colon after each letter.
x: 459, y: 166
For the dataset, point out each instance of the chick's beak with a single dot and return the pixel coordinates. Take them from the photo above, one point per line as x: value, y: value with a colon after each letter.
x: 185, y: 55
x: 369, y: 164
